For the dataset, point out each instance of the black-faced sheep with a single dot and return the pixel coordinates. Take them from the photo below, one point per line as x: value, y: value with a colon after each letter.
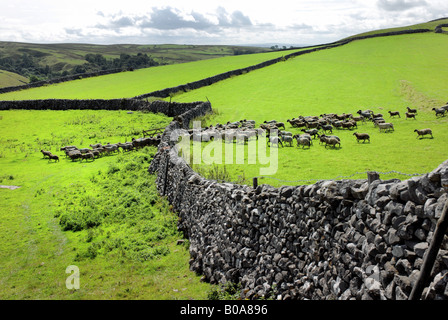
x: 423, y: 132
x: 46, y: 153
x: 411, y: 110
x: 327, y: 127
x: 53, y: 157
x: 394, y: 113
x: 410, y: 115
x: 287, y: 139
x: 330, y: 141
x: 440, y: 112
x: 303, y: 140
x: 362, y: 136
x: 274, y: 140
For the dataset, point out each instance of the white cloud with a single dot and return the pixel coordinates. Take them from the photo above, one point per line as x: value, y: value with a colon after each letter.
x: 202, y: 22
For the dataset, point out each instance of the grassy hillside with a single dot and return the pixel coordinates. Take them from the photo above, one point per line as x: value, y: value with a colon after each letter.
x: 382, y: 74
x: 130, y: 84
x: 10, y: 79
x: 103, y: 216
x: 431, y: 25
x: 63, y: 59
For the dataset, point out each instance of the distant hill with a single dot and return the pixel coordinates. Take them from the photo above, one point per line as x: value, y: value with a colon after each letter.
x: 431, y: 25
x: 10, y: 79
x: 48, y: 61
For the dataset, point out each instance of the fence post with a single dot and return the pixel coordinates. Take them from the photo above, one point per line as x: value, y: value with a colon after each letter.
x: 255, y: 182
x: 431, y: 255
x: 372, y: 176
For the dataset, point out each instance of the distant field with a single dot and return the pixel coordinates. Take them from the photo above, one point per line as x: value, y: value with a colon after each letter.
x: 381, y: 74
x: 130, y: 84
x: 10, y: 79
x: 104, y: 216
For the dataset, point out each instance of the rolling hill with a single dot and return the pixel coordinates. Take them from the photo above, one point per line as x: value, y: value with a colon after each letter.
x: 63, y: 59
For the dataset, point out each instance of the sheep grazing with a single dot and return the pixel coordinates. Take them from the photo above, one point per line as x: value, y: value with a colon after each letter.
x: 303, y: 140
x: 394, y: 114
x: 327, y: 127
x: 73, y: 154
x: 312, y: 132
x: 411, y: 110
x: 46, y: 153
x: 53, y: 157
x: 87, y: 155
x: 410, y: 115
x: 386, y: 127
x: 423, y: 132
x: 439, y: 111
x: 280, y: 125
x: 274, y: 140
x: 362, y: 136
x: 330, y: 141
x: 287, y: 139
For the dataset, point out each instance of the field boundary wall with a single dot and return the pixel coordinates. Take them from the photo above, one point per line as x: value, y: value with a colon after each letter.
x: 164, y: 93
x: 348, y: 239
x: 59, y: 80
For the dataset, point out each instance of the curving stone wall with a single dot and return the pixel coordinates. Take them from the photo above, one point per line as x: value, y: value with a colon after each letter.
x: 347, y: 239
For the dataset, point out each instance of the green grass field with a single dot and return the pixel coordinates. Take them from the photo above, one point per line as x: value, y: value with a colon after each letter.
x: 130, y: 84
x: 103, y: 216
x: 381, y: 74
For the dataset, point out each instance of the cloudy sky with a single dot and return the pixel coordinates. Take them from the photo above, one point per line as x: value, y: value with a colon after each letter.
x: 291, y: 22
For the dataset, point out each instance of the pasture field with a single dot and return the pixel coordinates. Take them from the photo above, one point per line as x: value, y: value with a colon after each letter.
x: 131, y: 84
x: 103, y: 216
x: 381, y: 74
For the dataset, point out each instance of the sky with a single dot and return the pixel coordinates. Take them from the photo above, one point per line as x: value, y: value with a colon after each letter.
x: 230, y: 22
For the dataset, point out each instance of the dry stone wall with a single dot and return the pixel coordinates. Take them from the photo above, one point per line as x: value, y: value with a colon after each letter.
x: 347, y: 239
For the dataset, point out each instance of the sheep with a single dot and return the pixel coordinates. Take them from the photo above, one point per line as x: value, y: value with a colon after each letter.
x: 362, y: 136
x: 312, y: 132
x: 287, y: 139
x: 366, y: 113
x: 95, y: 146
x: 128, y: 146
x: 53, y: 157
x: 387, y: 126
x: 46, y: 153
x: 411, y: 110
x: 279, y: 125
x: 87, y: 155
x: 303, y: 140
x: 68, y: 148
x: 285, y: 133
x: 394, y: 113
x: 423, y: 132
x: 327, y: 127
x: 330, y: 141
x: 274, y: 140
x: 312, y: 125
x: 439, y: 111
x: 324, y: 137
x: 74, y: 154
x: 349, y: 124
x: 410, y: 115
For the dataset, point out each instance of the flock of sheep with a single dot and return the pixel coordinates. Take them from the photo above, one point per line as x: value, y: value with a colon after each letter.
x: 98, y: 150
x: 312, y: 127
